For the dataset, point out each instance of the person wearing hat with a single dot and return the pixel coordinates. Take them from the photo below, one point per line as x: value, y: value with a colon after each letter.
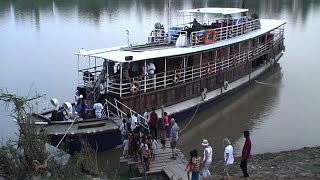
x: 174, y: 137
x: 207, y: 160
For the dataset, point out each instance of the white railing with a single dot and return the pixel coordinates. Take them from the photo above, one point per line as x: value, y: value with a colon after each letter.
x: 120, y: 113
x: 89, y: 76
x: 227, y: 32
x: 162, y: 80
x: 157, y: 36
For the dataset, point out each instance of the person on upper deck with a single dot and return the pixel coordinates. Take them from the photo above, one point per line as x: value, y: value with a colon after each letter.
x: 134, y: 69
x: 102, y: 90
x: 111, y: 68
x: 151, y: 69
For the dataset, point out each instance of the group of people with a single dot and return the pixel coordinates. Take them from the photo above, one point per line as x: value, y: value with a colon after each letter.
x: 145, y: 148
x: 196, y: 162
x: 84, y: 111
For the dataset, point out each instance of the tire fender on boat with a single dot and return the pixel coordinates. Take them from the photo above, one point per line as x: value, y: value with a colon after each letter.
x: 230, y: 33
x: 209, y: 69
x: 234, y: 60
x: 204, y: 94
x: 225, y: 85
x: 271, y: 61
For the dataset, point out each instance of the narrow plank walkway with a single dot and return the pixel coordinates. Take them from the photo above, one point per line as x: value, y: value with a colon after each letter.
x: 174, y: 169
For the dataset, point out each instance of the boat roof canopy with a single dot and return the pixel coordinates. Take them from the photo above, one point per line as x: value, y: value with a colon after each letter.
x: 217, y: 11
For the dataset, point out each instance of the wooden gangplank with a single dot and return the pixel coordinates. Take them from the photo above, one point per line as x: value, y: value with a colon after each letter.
x: 162, y: 164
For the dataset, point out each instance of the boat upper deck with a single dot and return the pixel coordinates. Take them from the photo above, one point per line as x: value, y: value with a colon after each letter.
x: 158, y: 50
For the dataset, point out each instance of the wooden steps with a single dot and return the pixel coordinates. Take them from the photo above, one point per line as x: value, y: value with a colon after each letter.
x: 162, y: 164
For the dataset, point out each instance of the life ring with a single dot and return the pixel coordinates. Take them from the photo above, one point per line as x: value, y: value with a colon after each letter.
x: 209, y: 70
x: 230, y: 33
x: 234, y: 60
x: 210, y: 36
x: 197, y: 39
x: 245, y: 28
x: 253, y: 52
x: 135, y: 87
x: 225, y: 85
x: 176, y: 77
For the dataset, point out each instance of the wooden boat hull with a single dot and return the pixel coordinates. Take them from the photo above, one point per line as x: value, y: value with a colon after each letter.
x: 187, y: 113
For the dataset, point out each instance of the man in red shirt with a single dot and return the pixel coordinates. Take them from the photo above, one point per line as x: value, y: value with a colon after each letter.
x: 154, y: 123
x: 245, y: 153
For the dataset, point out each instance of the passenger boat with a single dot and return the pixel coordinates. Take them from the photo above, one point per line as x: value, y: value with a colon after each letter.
x: 186, y: 67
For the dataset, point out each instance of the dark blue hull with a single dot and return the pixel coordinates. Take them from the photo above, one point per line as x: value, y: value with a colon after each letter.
x: 98, y: 141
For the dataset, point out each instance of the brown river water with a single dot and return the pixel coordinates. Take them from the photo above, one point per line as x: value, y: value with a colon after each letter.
x: 281, y: 110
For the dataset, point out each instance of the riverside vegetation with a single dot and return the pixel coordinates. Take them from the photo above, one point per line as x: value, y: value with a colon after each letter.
x: 27, y: 157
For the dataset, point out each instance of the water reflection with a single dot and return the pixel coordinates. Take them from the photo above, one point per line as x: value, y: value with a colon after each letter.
x: 32, y: 11
x: 243, y: 111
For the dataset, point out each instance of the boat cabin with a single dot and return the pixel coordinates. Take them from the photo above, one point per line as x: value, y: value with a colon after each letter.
x: 214, y: 46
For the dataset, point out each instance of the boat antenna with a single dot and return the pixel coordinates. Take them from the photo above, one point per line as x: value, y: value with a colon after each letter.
x: 169, y: 21
x: 127, y: 31
x: 243, y: 1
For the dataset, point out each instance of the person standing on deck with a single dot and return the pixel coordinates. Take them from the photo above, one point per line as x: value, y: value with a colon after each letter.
x: 123, y: 129
x: 98, y: 107
x: 245, y: 153
x: 134, y: 121
x: 207, y: 160
x: 228, y: 156
x: 154, y: 123
x: 151, y: 69
x: 174, y: 137
x: 162, y: 129
x: 166, y: 124
x: 102, y: 89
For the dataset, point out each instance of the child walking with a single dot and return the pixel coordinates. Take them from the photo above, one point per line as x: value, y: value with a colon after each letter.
x: 153, y: 147
x: 125, y: 146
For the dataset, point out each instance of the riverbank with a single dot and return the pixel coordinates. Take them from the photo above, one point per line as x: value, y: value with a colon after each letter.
x: 296, y: 164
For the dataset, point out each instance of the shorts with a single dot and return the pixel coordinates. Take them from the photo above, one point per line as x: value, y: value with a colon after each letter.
x: 173, y: 144
x: 205, y: 171
x: 154, y: 151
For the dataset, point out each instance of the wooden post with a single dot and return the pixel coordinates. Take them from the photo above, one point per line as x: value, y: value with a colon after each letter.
x: 145, y: 77
x: 165, y: 71
x: 121, y: 80
x: 200, y: 64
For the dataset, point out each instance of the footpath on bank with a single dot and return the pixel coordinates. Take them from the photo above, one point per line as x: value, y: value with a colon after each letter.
x: 296, y: 164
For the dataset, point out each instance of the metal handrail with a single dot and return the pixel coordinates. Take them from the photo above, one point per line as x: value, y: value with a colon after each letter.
x: 122, y: 113
x: 132, y: 111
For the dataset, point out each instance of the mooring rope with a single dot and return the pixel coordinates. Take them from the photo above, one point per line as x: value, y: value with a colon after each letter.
x: 195, y: 112
x: 37, y: 164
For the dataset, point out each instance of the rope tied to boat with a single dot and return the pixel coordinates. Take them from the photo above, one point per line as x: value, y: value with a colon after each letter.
x: 194, y: 114
x: 37, y: 164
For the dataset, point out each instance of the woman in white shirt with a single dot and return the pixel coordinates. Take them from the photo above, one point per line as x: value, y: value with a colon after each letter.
x: 228, y: 156
x: 207, y: 160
